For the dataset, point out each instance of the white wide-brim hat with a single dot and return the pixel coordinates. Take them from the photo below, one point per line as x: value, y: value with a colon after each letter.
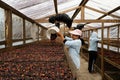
x: 76, y: 32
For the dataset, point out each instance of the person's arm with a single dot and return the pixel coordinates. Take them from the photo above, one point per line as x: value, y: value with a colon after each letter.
x: 60, y: 35
x: 95, y: 39
x: 64, y: 39
x: 68, y: 38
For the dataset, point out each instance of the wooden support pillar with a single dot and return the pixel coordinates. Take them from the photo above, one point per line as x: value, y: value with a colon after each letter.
x: 8, y: 28
x: 86, y: 34
x: 24, y: 31
x: 88, y: 37
x: 37, y: 33
x: 118, y: 38
x: 108, y: 38
x: 43, y: 33
x: 82, y: 13
x: 102, y: 54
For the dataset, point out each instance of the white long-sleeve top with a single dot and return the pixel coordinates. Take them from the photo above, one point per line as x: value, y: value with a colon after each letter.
x: 93, y: 42
x: 74, y: 50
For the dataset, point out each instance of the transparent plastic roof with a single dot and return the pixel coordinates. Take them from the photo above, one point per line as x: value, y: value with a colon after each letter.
x: 94, y: 9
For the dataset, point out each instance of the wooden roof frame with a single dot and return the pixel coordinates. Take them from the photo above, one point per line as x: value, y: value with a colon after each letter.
x: 78, y: 9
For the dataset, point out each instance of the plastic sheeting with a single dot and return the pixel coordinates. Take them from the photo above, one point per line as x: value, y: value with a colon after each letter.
x: 2, y: 25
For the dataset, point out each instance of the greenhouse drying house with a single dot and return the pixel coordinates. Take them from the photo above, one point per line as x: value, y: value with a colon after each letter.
x: 33, y: 44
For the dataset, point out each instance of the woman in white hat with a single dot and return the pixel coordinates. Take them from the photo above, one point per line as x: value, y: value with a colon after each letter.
x: 74, y: 44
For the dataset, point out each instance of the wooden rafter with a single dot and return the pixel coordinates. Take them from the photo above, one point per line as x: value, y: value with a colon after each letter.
x: 55, y: 4
x: 88, y: 27
x: 112, y: 15
x: 97, y: 21
x: 110, y: 12
x: 78, y: 10
x: 44, y: 19
x: 88, y: 21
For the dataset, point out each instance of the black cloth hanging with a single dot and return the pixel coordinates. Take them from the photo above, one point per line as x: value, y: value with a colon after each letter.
x: 61, y: 18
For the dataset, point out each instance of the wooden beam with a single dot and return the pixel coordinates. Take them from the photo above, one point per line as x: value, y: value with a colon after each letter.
x: 55, y: 5
x: 86, y: 21
x: 82, y: 13
x: 102, y: 51
x: 112, y: 15
x: 42, y: 21
x: 118, y: 39
x: 78, y: 10
x: 8, y: 30
x: 97, y: 21
x: 108, y: 13
x: 71, y: 9
x: 24, y: 33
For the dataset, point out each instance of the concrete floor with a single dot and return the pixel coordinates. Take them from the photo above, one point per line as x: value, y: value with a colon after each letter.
x: 84, y: 74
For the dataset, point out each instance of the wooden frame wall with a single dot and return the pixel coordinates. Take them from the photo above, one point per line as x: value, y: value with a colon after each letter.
x: 105, y: 41
x: 8, y: 25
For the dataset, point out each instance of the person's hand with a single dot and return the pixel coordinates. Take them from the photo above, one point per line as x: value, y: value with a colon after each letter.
x: 60, y: 35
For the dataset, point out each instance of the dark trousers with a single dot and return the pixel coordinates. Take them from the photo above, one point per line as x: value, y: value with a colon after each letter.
x: 92, y: 59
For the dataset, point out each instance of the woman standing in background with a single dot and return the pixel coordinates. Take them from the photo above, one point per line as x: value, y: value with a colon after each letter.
x: 93, y: 44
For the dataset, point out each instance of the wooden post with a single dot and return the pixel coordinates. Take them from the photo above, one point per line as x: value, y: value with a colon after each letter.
x: 118, y: 39
x: 8, y: 28
x: 88, y: 36
x: 108, y: 37
x: 24, y: 32
x: 102, y: 54
x: 38, y: 33
x: 82, y: 13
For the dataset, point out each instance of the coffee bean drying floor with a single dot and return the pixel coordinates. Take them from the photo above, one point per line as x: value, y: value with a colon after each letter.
x: 38, y: 61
